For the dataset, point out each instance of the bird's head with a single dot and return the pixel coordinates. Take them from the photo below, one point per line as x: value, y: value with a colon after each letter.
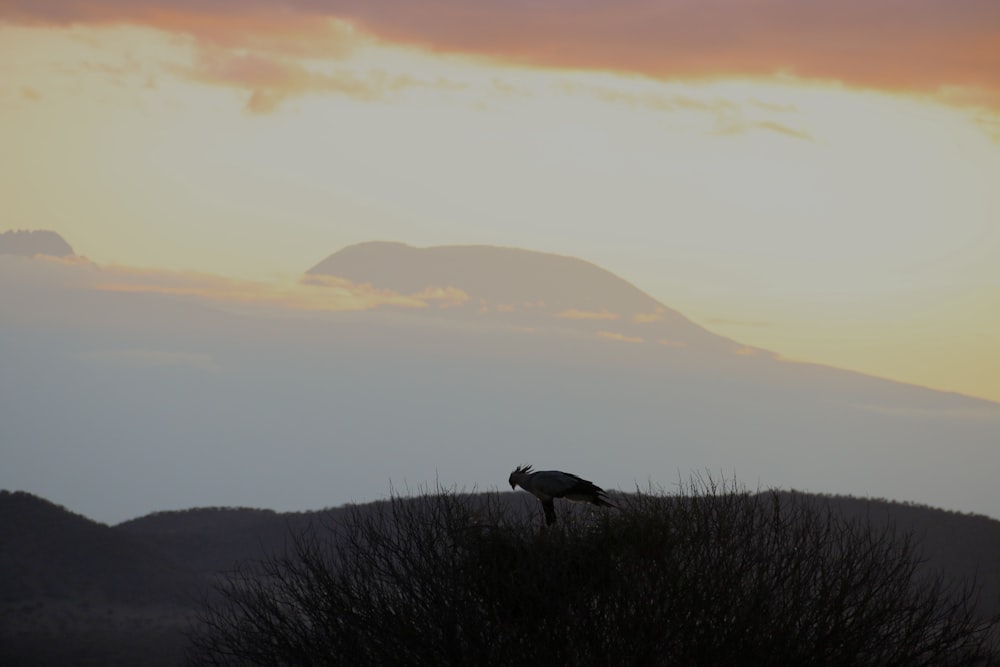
x: 520, y: 472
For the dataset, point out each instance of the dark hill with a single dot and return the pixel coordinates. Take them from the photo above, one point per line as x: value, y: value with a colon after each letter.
x: 965, y: 546
x: 211, y: 540
x: 46, y: 551
x: 34, y: 242
x: 76, y: 592
x: 73, y: 591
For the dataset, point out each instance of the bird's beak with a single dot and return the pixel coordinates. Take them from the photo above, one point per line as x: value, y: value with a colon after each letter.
x: 513, y: 486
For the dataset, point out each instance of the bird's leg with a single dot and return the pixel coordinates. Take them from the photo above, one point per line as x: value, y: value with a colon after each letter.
x: 550, y: 512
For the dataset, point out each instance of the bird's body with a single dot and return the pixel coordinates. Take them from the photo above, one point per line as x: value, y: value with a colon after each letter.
x: 547, y: 485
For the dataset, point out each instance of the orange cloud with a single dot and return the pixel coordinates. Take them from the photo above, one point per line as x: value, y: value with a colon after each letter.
x: 315, y: 293
x: 576, y: 314
x: 648, y: 318
x: 444, y: 297
x: 919, y: 46
x: 923, y: 46
x: 272, y: 79
x: 257, y: 25
x: 739, y: 127
x: 620, y: 337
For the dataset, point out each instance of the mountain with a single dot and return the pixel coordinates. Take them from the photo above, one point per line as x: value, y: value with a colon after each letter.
x: 522, y: 287
x: 120, y: 403
x: 34, y: 242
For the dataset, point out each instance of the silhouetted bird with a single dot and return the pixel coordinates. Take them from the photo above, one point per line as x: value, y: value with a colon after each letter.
x: 546, y: 485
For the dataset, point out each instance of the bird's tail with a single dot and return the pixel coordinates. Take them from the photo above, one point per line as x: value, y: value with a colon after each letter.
x: 602, y: 501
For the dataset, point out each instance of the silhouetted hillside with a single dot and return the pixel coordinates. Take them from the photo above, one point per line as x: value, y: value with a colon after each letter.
x: 46, y: 551
x: 75, y: 592
x: 211, y: 540
x: 33, y: 242
x: 966, y: 546
x: 123, y: 594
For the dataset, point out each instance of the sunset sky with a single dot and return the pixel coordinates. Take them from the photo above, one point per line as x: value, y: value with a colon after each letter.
x: 821, y: 179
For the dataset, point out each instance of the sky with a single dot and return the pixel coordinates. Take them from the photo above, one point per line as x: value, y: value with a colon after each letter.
x: 816, y: 179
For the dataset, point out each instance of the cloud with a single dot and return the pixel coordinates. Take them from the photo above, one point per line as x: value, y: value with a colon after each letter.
x: 654, y: 101
x: 990, y: 125
x: 648, y: 318
x: 576, y: 314
x: 739, y: 127
x: 368, y: 296
x: 443, y: 297
x: 770, y: 106
x: 46, y: 270
x: 287, y: 27
x: 272, y: 79
x: 316, y: 293
x: 274, y: 51
x: 620, y: 337
x: 730, y: 116
x: 922, y: 46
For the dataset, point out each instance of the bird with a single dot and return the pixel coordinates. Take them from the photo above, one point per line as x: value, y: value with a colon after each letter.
x: 546, y: 485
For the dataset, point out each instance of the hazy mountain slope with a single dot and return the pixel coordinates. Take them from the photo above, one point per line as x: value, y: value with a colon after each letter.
x: 499, y: 275
x: 33, y: 242
x: 122, y: 404
x: 522, y: 287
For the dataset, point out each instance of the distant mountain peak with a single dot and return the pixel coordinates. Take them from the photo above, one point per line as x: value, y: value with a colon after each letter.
x: 525, y: 287
x: 29, y: 243
x: 482, y: 271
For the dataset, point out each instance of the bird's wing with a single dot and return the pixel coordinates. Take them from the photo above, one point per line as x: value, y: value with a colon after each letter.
x: 554, y: 483
x: 560, y: 484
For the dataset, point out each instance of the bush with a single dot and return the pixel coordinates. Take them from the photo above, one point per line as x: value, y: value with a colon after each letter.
x: 712, y: 576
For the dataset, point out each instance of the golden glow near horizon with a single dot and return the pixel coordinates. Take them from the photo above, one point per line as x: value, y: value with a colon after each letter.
x: 831, y: 224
